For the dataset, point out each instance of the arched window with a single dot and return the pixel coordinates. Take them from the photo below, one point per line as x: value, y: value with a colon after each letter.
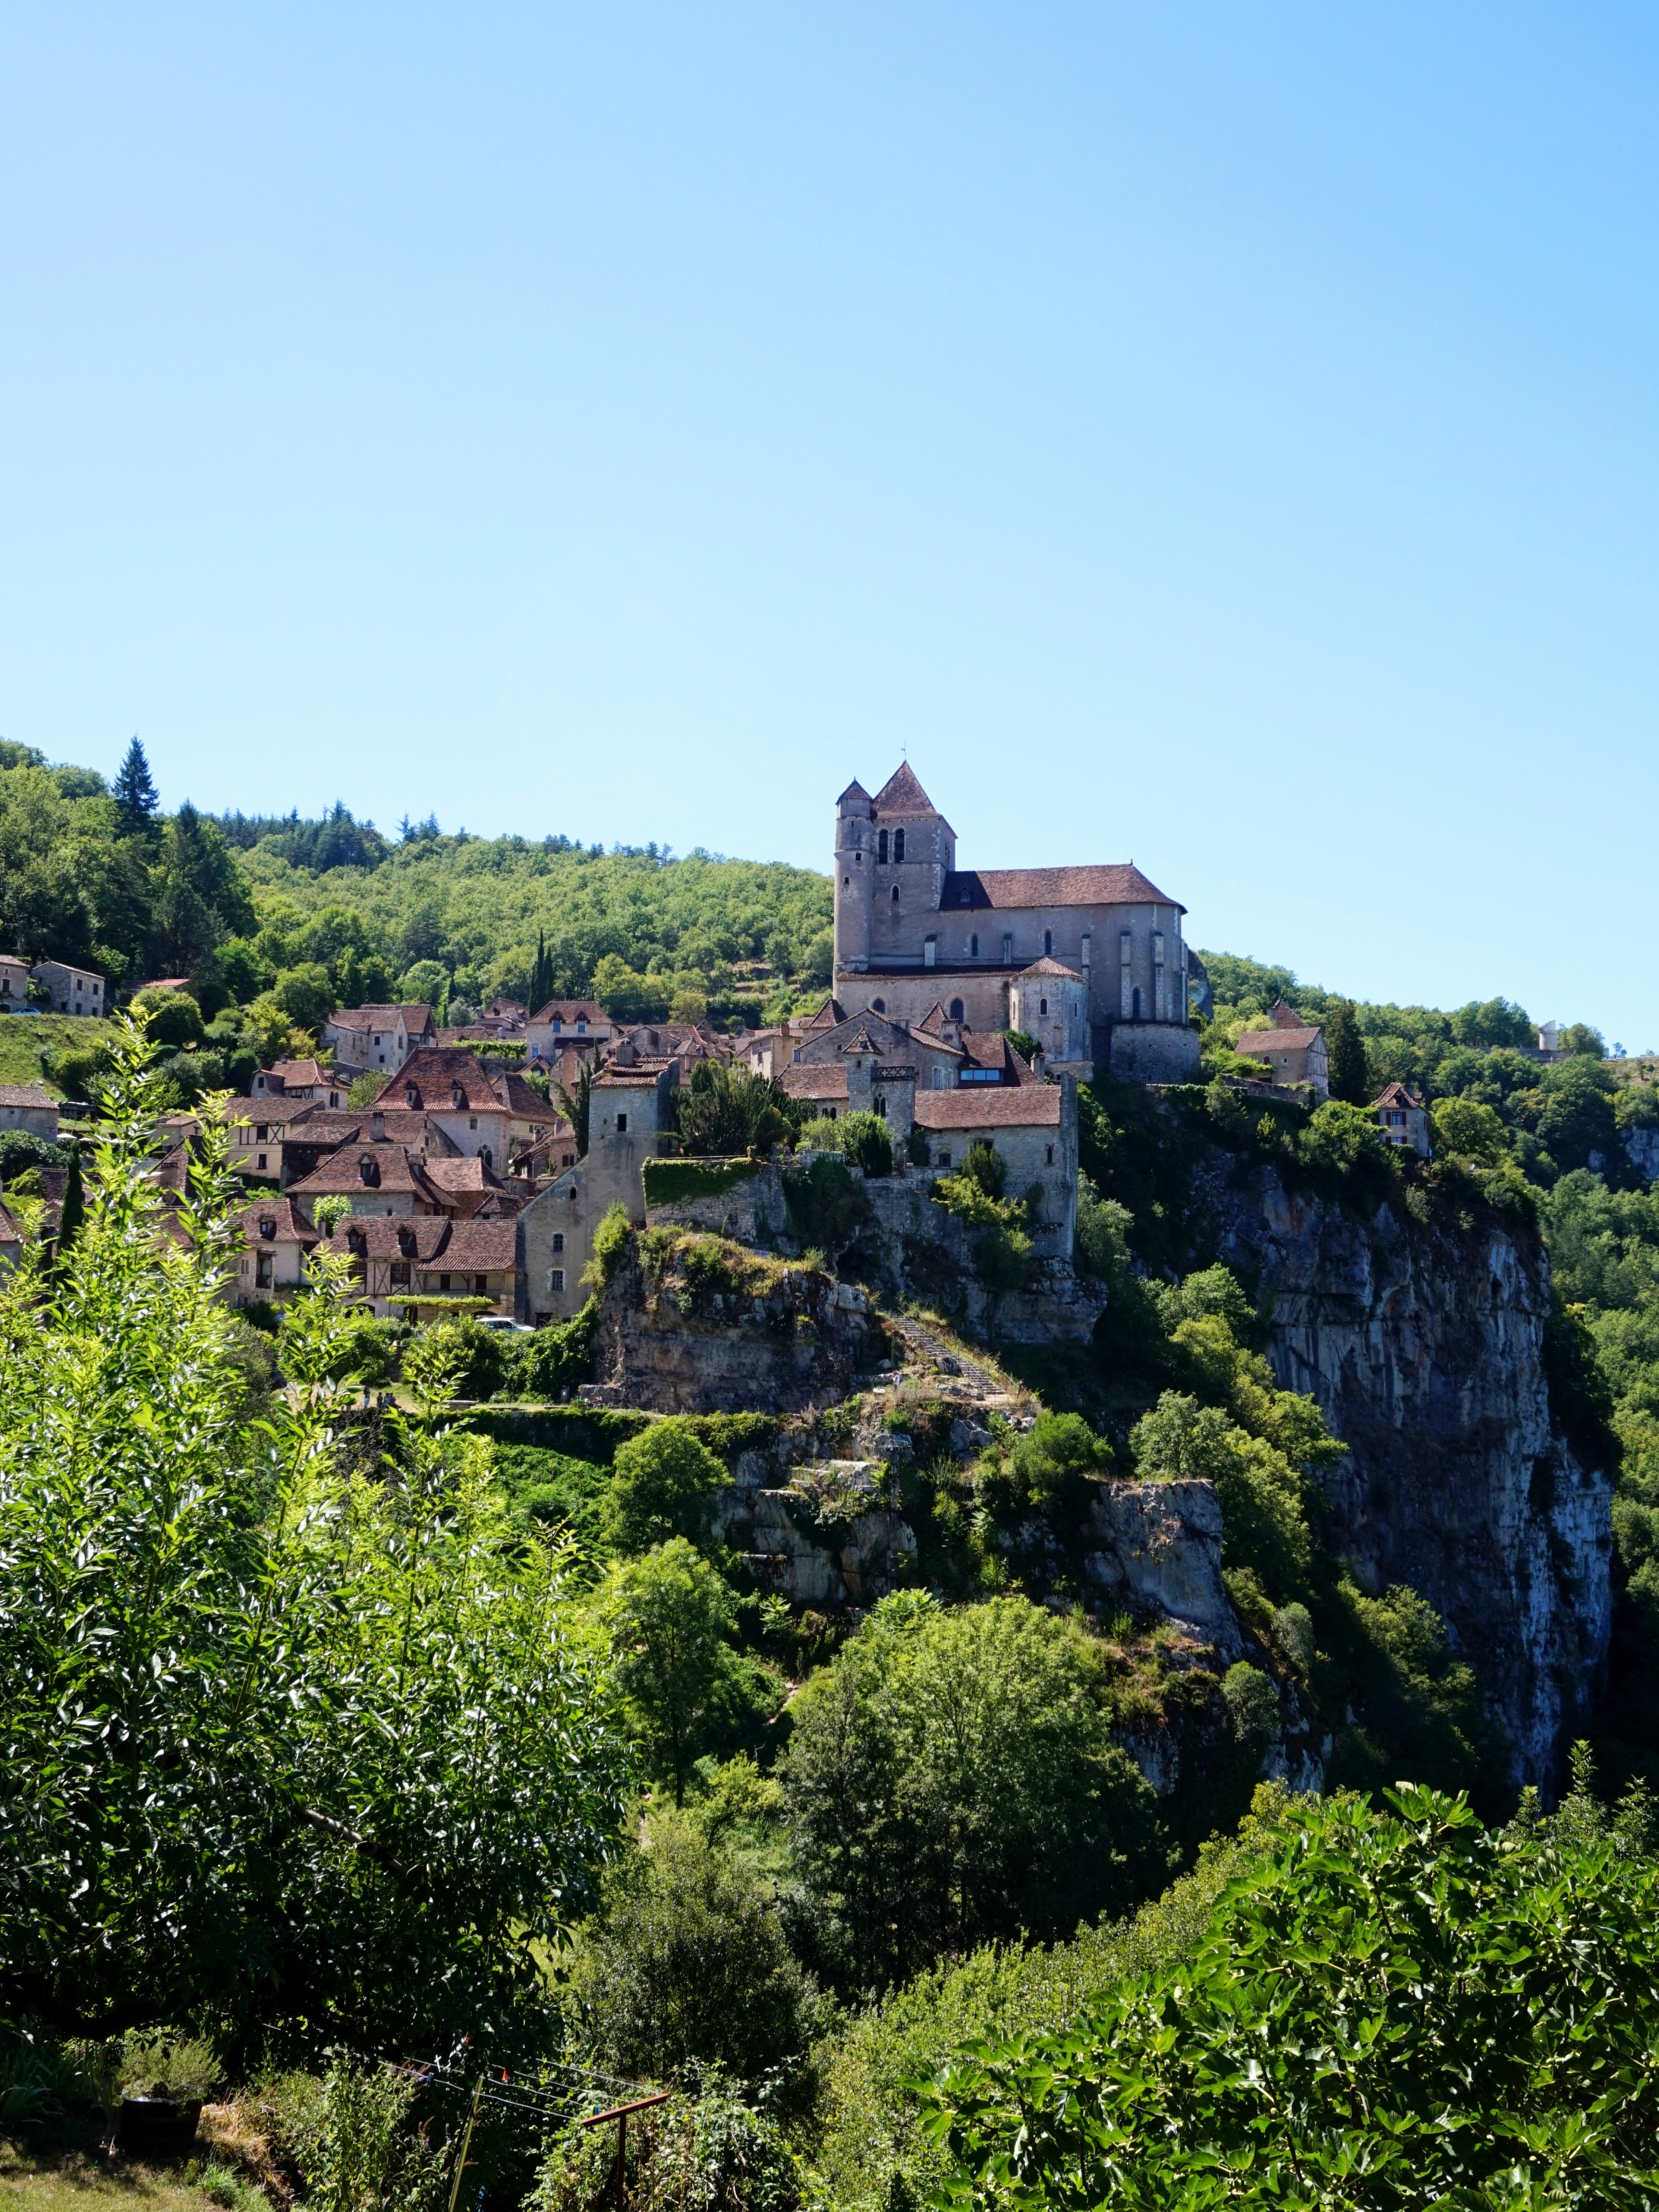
x: 955, y: 1009
x: 1048, y: 943
x: 898, y: 844
x: 895, y: 895
x: 1043, y: 1005
x: 878, y: 1005
x: 881, y: 847
x: 973, y: 946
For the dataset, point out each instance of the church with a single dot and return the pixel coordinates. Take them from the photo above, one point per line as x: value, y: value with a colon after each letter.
x: 1090, y: 961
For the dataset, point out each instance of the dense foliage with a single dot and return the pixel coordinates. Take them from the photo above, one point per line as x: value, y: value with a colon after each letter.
x: 1395, y: 2008
x: 294, y: 1743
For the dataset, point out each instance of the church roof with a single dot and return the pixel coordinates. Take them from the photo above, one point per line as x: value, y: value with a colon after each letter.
x: 855, y: 790
x: 1047, y: 966
x: 1109, y: 883
x: 829, y: 1016
x: 903, y: 795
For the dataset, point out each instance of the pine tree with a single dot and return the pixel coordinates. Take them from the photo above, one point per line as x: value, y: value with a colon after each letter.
x: 136, y: 796
x: 541, y: 980
x: 1345, y: 1053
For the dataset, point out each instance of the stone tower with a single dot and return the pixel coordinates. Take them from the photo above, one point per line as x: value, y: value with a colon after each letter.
x: 855, y: 877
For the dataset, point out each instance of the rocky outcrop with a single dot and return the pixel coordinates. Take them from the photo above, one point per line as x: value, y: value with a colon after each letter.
x: 1424, y: 1345
x: 1158, y: 1546
x: 695, y: 1325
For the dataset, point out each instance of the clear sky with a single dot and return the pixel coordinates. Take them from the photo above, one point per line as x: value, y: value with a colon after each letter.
x: 1221, y: 436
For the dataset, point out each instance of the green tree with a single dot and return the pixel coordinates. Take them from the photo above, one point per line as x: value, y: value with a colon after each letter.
x: 866, y: 1142
x: 171, y: 1018
x: 294, y: 1740
x: 135, y: 799
x: 669, y: 1619
x: 664, y: 1483
x: 305, y: 994
x: 1469, y: 1130
x: 952, y: 1777
x: 1264, y: 1520
x: 1345, y: 1051
x: 723, y: 1109
x: 686, y: 1959
x: 200, y: 898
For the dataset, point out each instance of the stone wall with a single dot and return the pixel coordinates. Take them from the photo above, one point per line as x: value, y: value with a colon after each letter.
x: 1148, y: 1052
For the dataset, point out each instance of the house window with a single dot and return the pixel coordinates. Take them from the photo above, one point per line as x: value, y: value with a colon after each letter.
x: 895, y: 895
x: 622, y: 1123
x: 582, y: 1026
x: 1135, y: 1002
x: 443, y: 1282
x: 898, y: 848
x: 400, y: 1274
x: 262, y: 1159
x: 262, y: 1270
x: 1043, y: 1005
x: 556, y: 1280
x: 472, y: 1121
x: 881, y: 1104
x: 942, y: 1159
x: 262, y: 1134
x: 558, y: 1240
x: 481, y: 1283
x: 881, y: 847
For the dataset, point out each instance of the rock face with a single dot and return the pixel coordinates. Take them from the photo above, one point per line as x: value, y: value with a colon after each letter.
x: 1424, y: 1348
x: 1160, y: 1546
x: 716, y: 1330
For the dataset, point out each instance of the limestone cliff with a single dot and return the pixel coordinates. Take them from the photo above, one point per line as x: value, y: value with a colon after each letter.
x: 1424, y: 1345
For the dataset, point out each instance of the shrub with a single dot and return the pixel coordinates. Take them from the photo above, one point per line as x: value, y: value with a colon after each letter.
x: 672, y: 1183
x: 351, y: 2137
x: 866, y: 1142
x: 611, y: 1242
x: 686, y: 1959
x: 698, y: 2153
x: 827, y: 1206
x: 171, y: 1018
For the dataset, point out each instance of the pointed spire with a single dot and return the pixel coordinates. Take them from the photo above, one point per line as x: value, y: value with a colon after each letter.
x: 903, y: 795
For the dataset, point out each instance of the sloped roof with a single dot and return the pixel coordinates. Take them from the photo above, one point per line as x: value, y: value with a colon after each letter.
x: 997, y: 1106
x: 815, y: 1080
x: 415, y: 1017
x: 522, y: 1099
x: 1107, y: 884
x: 1396, y: 1094
x: 830, y: 1016
x: 434, y: 1072
x: 855, y: 790
x: 354, y: 1168
x: 10, y: 1229
x: 903, y: 795
x: 1284, y: 1017
x: 571, y: 1009
x: 25, y: 1094
x: 291, y: 1225
x: 488, y: 1247
x: 1259, y: 1042
x: 1048, y: 966
x: 294, y: 1073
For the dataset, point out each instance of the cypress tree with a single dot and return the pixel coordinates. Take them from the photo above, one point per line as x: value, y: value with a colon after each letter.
x: 74, y: 1210
x: 1345, y: 1052
x: 136, y: 796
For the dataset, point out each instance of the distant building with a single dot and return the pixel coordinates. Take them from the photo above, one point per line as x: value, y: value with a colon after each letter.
x: 563, y: 1024
x: 628, y: 1110
x: 301, y: 1078
x: 377, y: 1038
x: 912, y: 927
x: 72, y: 990
x: 27, y: 1106
x: 14, y: 980
x: 1404, y: 1119
x: 278, y: 1239
x: 1293, y: 1050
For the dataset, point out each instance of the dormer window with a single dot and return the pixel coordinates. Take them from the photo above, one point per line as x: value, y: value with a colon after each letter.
x: 458, y: 1096
x: 369, y: 1170
x: 581, y: 1027
x: 558, y: 1022
x: 267, y: 1226
x: 406, y: 1243
x: 412, y: 1097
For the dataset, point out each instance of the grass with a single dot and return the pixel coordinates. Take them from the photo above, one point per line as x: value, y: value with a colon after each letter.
x: 71, y: 2181
x: 24, y: 1036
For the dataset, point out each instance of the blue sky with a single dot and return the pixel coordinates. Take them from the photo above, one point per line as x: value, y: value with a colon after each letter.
x: 1223, y: 436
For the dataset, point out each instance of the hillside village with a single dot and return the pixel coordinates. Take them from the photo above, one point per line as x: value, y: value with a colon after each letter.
x: 966, y: 1008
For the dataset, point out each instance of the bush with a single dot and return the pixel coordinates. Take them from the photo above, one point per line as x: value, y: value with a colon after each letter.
x: 351, y: 2139
x: 1395, y: 2009
x: 1264, y: 1522
x: 866, y: 1142
x: 672, y: 1183
x: 171, y: 1018
x: 826, y: 1207
x: 552, y: 1362
x: 611, y: 1242
x: 687, y: 1960
x: 702, y: 2152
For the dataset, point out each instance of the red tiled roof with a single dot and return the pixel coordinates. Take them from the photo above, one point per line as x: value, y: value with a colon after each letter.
x: 25, y: 1094
x: 416, y: 1017
x: 487, y: 1247
x: 276, y: 1109
x: 295, y: 1072
x: 638, y: 1077
x: 572, y: 1010
x: 10, y: 1232
x: 292, y: 1227
x: 468, y: 1247
x: 1048, y: 966
x: 522, y: 1099
x: 1109, y: 883
x: 389, y: 1168
x: 1396, y: 1094
x: 434, y: 1073
x: 831, y: 1014
x: 997, y: 1106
